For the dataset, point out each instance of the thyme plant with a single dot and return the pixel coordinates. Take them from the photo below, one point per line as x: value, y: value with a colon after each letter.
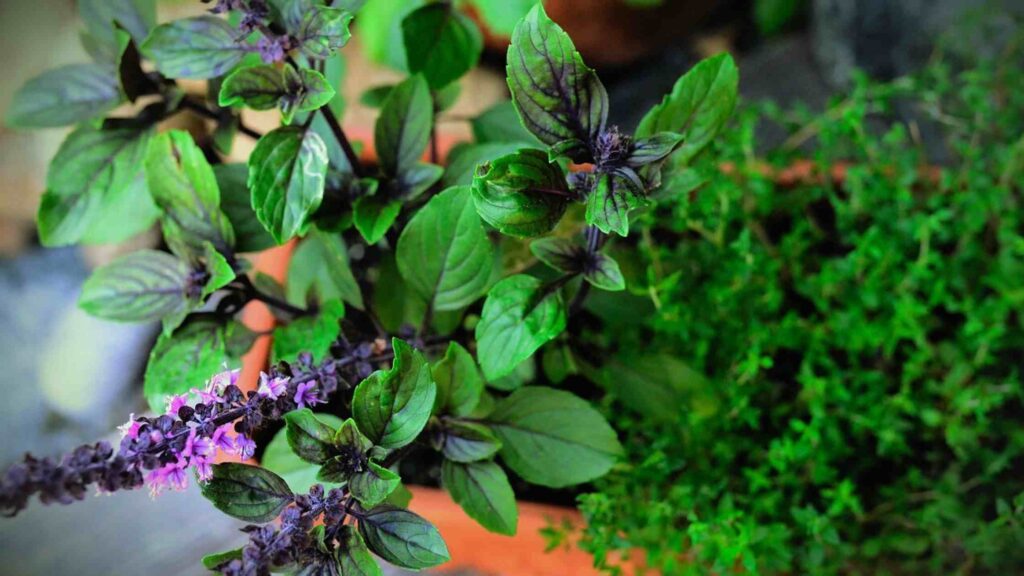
x: 408, y: 315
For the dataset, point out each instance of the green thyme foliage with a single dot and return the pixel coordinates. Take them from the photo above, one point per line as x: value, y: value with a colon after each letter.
x: 851, y: 395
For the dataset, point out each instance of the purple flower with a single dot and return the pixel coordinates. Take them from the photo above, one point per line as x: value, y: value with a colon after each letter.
x: 175, y: 402
x: 130, y: 429
x: 215, y: 388
x: 204, y: 468
x: 244, y: 446
x: 177, y: 478
x: 198, y: 446
x: 222, y: 439
x: 306, y: 395
x: 170, y: 475
x: 272, y: 387
x: 271, y: 49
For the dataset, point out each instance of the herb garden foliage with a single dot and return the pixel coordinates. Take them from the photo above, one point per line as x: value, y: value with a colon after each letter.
x: 419, y: 342
x: 825, y: 377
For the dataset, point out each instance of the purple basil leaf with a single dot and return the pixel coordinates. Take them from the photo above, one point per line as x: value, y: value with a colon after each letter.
x: 557, y: 96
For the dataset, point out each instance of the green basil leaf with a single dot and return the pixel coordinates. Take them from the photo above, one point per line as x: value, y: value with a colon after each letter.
x: 603, y: 272
x: 698, y: 106
x: 403, y: 538
x: 501, y: 17
x: 102, y: 18
x: 558, y: 363
x: 299, y: 474
x: 214, y: 561
x: 139, y: 287
x: 374, y: 215
x: 94, y: 176
x: 381, y: 24
x: 184, y: 186
x: 354, y: 558
x: 652, y: 149
x: 557, y: 96
x: 189, y: 356
x: 542, y: 429
x: 500, y: 124
x: 312, y: 334
x: 323, y: 31
x: 458, y: 380
x: 309, y: 438
x: 561, y: 254
x: 444, y: 254
x: 524, y: 373
x: 66, y: 95
x: 219, y: 271
x: 468, y: 442
x: 403, y: 128
x: 521, y: 194
x: 198, y: 48
x: 349, y: 435
x: 392, y: 407
x: 320, y: 268
x: 236, y: 204
x: 484, y: 493
x: 375, y: 97
x: 416, y: 179
x: 441, y: 43
x: 286, y: 177
x: 249, y: 493
x: 400, y: 497
x: 464, y: 158
x: 373, y: 485
x: 517, y: 318
x: 608, y: 205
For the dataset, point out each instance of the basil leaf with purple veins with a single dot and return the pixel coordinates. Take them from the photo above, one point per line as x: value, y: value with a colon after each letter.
x: 403, y: 538
x: 197, y: 48
x: 603, y: 272
x: 653, y: 149
x: 354, y: 558
x: 266, y: 87
x: 139, y: 287
x: 249, y: 493
x: 559, y: 99
x: 561, y: 254
x: 608, y: 204
x: 323, y: 31
x: 62, y: 96
x: 95, y: 178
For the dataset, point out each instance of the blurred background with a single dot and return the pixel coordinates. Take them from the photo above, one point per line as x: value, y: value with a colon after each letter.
x: 71, y: 378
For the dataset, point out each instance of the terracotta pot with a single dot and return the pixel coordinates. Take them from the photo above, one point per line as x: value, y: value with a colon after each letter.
x: 611, y: 33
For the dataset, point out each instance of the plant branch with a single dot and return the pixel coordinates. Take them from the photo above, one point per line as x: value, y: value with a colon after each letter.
x: 254, y: 293
x: 339, y: 134
x: 193, y: 106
